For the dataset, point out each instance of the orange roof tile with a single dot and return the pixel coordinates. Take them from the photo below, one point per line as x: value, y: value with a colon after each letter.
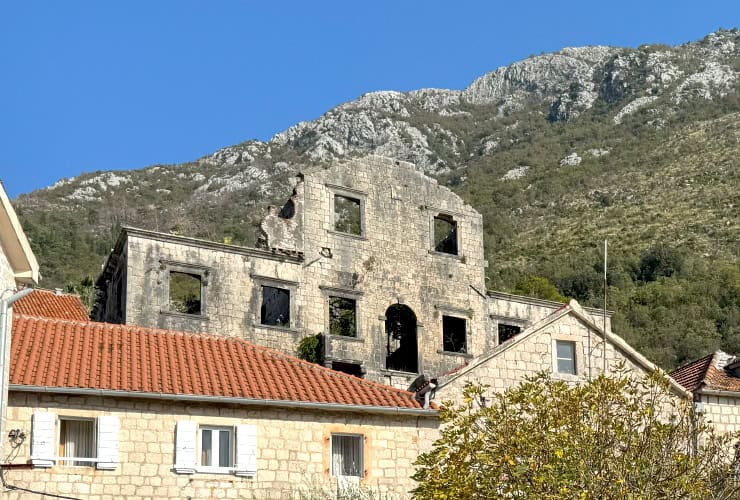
x: 57, y: 353
x: 49, y: 304
x: 708, y: 373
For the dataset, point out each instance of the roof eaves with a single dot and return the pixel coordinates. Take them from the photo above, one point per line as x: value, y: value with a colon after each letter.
x: 306, y: 405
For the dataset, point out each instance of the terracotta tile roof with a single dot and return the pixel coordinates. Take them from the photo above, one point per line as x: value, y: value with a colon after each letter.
x: 49, y: 304
x: 691, y: 376
x: 708, y: 373
x: 74, y: 354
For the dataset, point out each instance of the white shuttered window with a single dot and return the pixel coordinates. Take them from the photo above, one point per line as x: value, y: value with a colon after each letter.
x: 74, y: 441
x: 42, y: 439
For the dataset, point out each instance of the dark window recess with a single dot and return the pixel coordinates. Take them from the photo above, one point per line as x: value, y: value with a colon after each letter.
x: 400, y: 329
x: 342, y: 317
x: 348, y: 368
x: 506, y: 332
x: 347, y: 216
x: 185, y: 293
x: 275, y: 310
x: 453, y: 334
x: 288, y: 210
x: 445, y: 234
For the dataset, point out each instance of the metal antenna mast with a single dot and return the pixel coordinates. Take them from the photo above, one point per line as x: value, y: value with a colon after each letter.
x: 603, y: 311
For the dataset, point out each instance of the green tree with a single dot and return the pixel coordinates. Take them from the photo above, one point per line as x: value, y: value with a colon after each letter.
x: 537, y: 286
x: 612, y: 438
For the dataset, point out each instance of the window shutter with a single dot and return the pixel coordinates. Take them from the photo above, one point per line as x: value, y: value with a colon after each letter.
x: 107, y: 442
x: 185, y: 436
x: 42, y: 439
x: 246, y: 450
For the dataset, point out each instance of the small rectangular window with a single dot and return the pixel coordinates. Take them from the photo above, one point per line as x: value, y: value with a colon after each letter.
x: 506, y: 332
x: 216, y: 448
x: 185, y: 292
x: 77, y: 440
x: 566, y: 357
x: 346, y: 455
x: 453, y: 334
x: 275, y: 310
x: 347, y: 215
x: 342, y: 317
x: 445, y: 234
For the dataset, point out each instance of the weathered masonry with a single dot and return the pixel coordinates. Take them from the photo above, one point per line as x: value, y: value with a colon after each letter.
x: 377, y: 257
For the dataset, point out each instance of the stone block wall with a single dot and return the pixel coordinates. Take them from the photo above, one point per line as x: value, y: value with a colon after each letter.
x: 722, y: 411
x: 535, y: 353
x: 293, y: 450
x: 391, y: 262
x: 231, y: 280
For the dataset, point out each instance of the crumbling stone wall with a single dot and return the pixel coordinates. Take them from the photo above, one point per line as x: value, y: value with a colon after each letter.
x: 386, y: 257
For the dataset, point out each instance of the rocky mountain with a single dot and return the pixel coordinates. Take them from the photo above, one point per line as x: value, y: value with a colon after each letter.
x: 558, y: 151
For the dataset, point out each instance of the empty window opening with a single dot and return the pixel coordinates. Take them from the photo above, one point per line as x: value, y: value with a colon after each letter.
x: 215, y: 447
x: 453, y: 334
x: 566, y: 357
x: 347, y: 215
x: 77, y: 440
x: 275, y: 310
x: 346, y: 455
x: 445, y: 234
x: 348, y: 368
x: 342, y: 317
x: 506, y: 332
x: 400, y: 329
x: 185, y: 290
x: 288, y: 210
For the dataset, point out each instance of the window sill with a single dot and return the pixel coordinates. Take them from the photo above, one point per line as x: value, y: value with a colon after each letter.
x: 566, y: 377
x: 388, y: 371
x: 276, y: 328
x: 224, y: 471
x: 176, y: 314
x: 345, y: 338
x: 461, y: 258
x: 458, y: 354
x: 360, y: 237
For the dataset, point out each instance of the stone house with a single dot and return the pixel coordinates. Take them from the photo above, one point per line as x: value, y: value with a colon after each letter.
x: 714, y: 382
x: 103, y: 411
x: 567, y: 343
x: 378, y: 258
x: 18, y: 269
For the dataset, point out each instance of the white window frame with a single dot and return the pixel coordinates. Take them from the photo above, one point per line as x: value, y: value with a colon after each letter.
x: 215, y: 448
x: 556, y: 358
x: 69, y: 461
x: 361, y: 440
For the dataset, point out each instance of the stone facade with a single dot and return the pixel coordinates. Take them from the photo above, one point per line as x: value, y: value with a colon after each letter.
x: 722, y: 411
x: 535, y: 350
x: 293, y: 450
x: 386, y: 263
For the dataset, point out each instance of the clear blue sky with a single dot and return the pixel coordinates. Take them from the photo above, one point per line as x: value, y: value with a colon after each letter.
x: 99, y: 85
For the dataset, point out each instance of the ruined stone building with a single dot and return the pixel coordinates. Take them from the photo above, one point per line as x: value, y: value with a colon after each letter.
x: 379, y: 259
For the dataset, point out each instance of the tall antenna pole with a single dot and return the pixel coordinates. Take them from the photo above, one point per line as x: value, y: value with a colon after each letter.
x: 603, y: 311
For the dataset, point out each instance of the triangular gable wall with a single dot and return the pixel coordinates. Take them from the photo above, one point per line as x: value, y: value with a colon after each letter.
x: 532, y: 351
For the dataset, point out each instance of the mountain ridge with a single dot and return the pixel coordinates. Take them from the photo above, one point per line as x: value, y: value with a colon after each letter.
x: 557, y: 151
